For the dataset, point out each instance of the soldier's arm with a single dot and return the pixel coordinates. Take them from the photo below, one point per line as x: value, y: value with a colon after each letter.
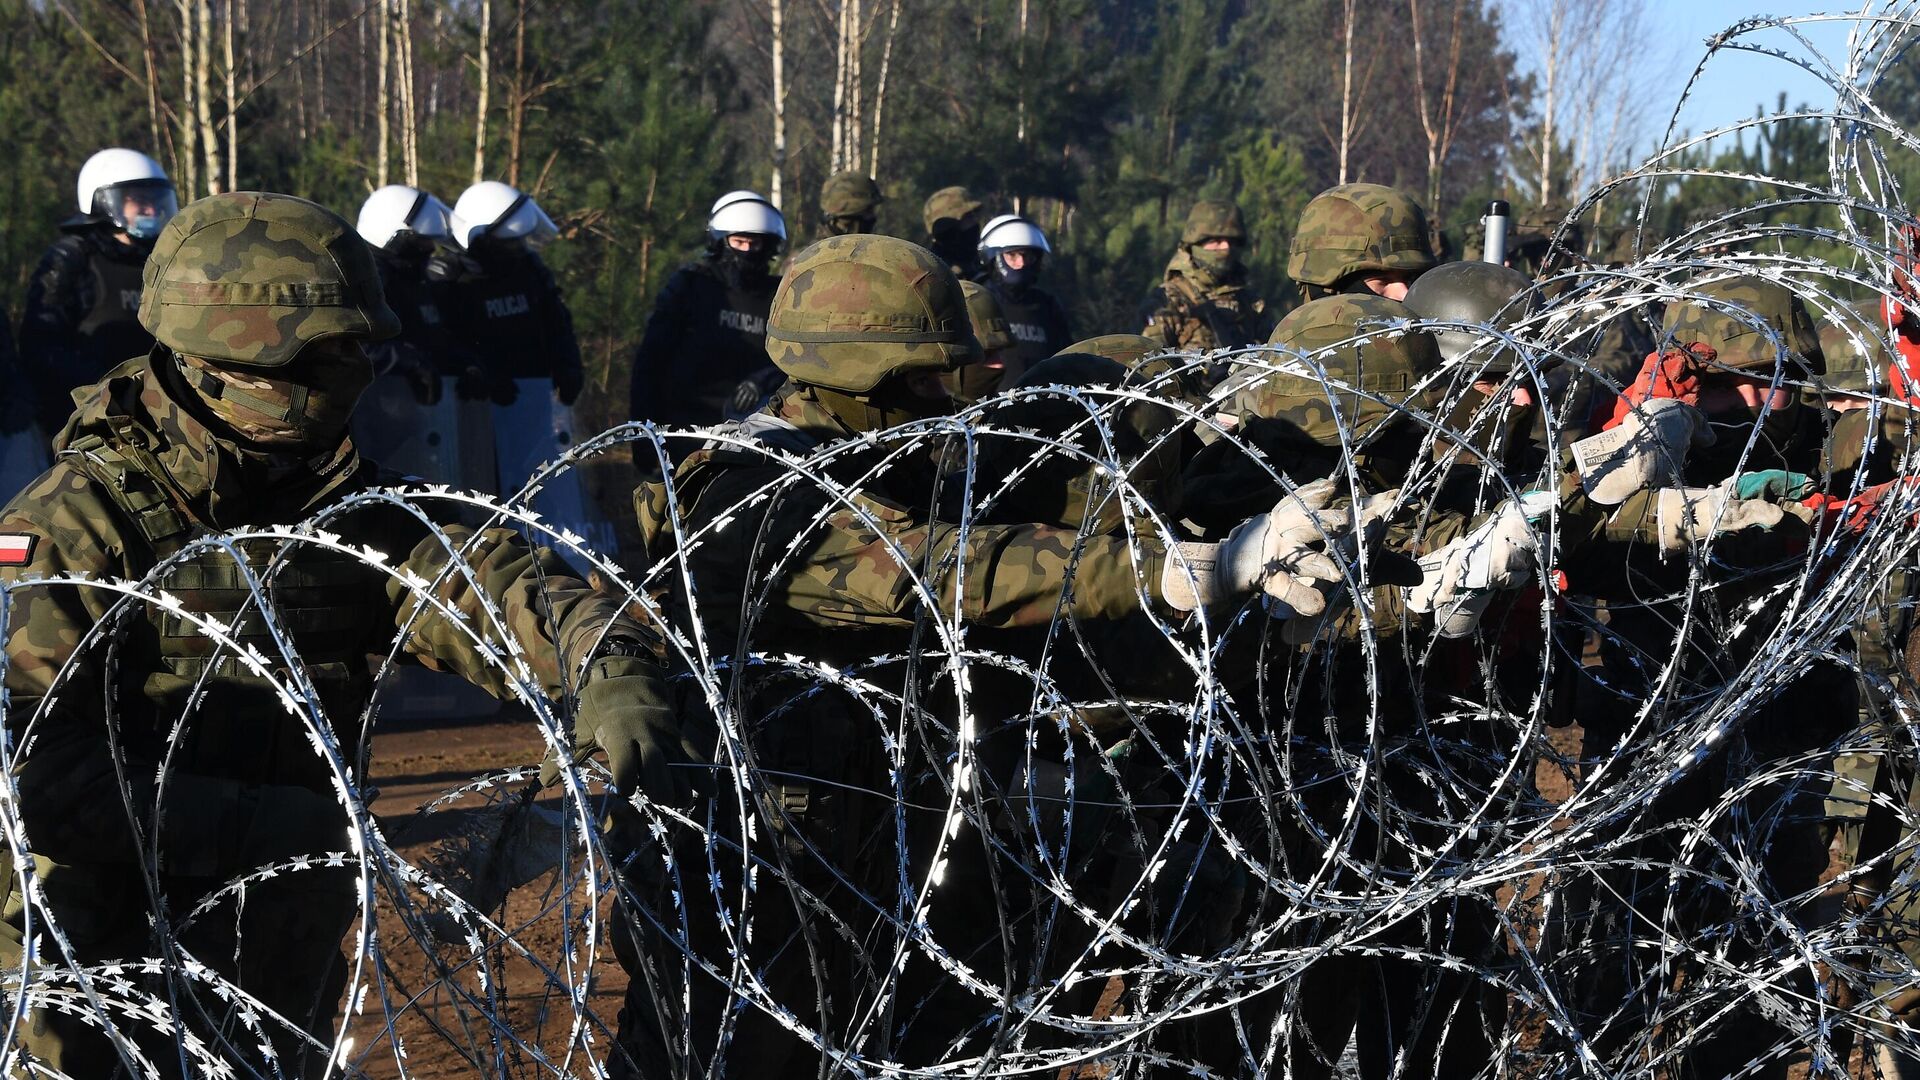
x: 540, y: 611
x: 1000, y: 576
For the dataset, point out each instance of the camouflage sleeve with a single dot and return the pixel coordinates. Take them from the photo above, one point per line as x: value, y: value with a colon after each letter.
x: 79, y: 772
x: 545, y: 614
x: 1000, y: 576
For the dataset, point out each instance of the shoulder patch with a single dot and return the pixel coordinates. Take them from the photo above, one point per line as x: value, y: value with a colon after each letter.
x: 16, y: 549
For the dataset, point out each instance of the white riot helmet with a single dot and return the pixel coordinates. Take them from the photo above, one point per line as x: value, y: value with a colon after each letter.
x: 1011, y: 232
x: 398, y: 209
x: 745, y: 212
x: 492, y: 210
x: 129, y: 189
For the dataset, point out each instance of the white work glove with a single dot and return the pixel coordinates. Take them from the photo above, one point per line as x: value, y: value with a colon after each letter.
x: 1461, y: 577
x: 1282, y: 552
x: 1685, y: 516
x: 1647, y: 450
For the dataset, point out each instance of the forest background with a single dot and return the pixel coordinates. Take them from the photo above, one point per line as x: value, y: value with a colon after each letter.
x: 1103, y: 120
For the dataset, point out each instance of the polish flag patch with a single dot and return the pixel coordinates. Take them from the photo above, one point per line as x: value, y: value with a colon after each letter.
x: 15, y: 549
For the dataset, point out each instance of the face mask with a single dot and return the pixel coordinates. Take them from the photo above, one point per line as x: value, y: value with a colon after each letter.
x: 146, y: 226
x: 849, y: 226
x: 1017, y: 280
x: 1220, y: 264
x: 303, y: 406
x: 742, y: 268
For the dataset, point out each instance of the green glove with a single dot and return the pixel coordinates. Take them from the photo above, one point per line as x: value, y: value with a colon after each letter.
x: 1772, y: 484
x: 626, y: 711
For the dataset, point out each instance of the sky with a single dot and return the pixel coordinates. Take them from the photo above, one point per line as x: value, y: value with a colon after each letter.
x: 1734, y: 83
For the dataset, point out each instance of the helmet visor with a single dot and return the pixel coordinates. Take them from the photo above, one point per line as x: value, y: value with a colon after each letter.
x: 141, y: 207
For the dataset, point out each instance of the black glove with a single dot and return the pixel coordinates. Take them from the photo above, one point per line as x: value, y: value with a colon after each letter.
x: 473, y: 384
x: 421, y: 378
x: 503, y: 391
x: 568, y: 384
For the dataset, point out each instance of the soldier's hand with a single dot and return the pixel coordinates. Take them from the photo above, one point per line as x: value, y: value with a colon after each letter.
x: 1648, y: 447
x: 1685, y: 516
x: 1283, y: 552
x: 1771, y: 484
x: 626, y: 712
x: 1673, y: 374
x: 1459, y: 580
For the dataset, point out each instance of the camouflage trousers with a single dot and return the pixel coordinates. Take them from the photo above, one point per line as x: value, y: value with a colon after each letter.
x: 280, y: 946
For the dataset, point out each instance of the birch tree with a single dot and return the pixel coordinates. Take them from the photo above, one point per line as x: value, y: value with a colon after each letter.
x: 480, y: 111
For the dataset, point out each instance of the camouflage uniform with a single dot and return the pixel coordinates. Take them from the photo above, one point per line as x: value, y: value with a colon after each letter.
x: 969, y: 383
x: 854, y: 318
x: 218, y: 777
x: 1204, y: 303
x: 849, y: 203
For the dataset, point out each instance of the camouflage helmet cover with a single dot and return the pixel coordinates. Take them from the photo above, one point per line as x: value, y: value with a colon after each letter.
x: 853, y: 311
x: 850, y: 194
x: 1153, y: 366
x: 945, y: 208
x: 1357, y: 227
x: 1471, y: 292
x: 1745, y: 319
x: 1367, y: 372
x: 1213, y: 219
x: 1850, y: 367
x: 989, y: 322
x: 251, y: 278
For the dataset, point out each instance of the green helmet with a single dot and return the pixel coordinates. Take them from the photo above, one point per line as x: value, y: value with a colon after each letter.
x: 990, y: 327
x: 1471, y: 292
x: 1386, y: 366
x: 250, y: 278
x: 945, y: 208
x: 1061, y: 488
x: 1854, y: 342
x: 853, y: 311
x: 1707, y: 315
x: 1152, y: 365
x: 850, y: 194
x: 1357, y: 227
x: 1213, y: 219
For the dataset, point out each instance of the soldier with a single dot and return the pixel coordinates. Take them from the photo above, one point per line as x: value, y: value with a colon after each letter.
x: 952, y: 217
x: 849, y: 204
x: 864, y: 328
x: 400, y: 421
x: 982, y: 378
x: 703, y: 358
x: 1014, y: 251
x: 155, y: 761
x: 82, y: 301
x: 1205, y: 301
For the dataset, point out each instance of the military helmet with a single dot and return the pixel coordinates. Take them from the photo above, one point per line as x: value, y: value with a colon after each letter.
x: 1854, y: 341
x: 251, y: 278
x: 1154, y: 366
x: 1373, y: 374
x: 990, y: 327
x: 1213, y: 219
x: 853, y: 311
x: 850, y: 194
x: 945, y: 208
x: 1745, y: 319
x: 1471, y: 292
x: 1357, y: 227
x: 1062, y: 487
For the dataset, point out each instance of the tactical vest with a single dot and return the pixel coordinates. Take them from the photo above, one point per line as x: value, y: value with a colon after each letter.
x: 723, y: 344
x: 109, y: 333
x: 1193, y: 319
x: 319, y: 600
x: 504, y: 308
x: 1034, y: 320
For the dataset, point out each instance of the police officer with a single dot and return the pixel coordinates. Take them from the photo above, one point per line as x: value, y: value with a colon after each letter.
x: 157, y: 758
x: 703, y: 358
x: 1204, y: 301
x: 952, y: 218
x: 849, y: 203
x: 1013, y: 251
x: 501, y: 299
x: 399, y: 415
x: 83, y: 300
x: 864, y: 327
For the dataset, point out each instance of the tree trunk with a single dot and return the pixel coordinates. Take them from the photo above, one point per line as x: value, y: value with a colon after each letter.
x: 779, y: 101
x: 299, y: 75
x: 154, y: 129
x: 233, y: 103
x: 517, y: 113
x: 383, y: 95
x: 1346, y: 88
x: 203, y: 92
x: 480, y: 113
x: 189, y: 159
x: 410, y: 123
x: 836, y: 156
x: 880, y: 91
